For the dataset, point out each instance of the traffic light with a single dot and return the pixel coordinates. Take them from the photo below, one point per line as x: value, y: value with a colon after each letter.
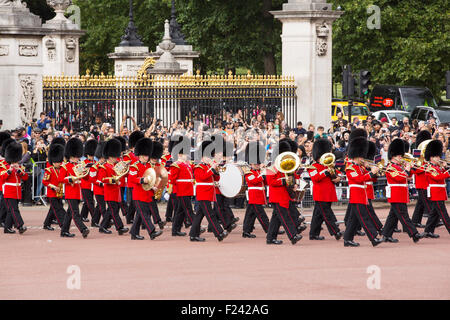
x: 364, y: 83
x: 348, y: 82
x: 447, y: 85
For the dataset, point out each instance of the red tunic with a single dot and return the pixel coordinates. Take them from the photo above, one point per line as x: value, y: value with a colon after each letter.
x: 134, y: 176
x: 437, y: 188
x: 369, y: 186
x: 421, y: 179
x: 256, y: 191
x: 204, y: 179
x: 323, y: 188
x: 182, y: 176
x: 86, y: 181
x: 71, y: 190
x: 277, y: 190
x: 96, y: 179
x: 356, y: 181
x: 51, y: 181
x: 111, y: 187
x: 12, y: 183
x: 397, y: 188
x: 129, y: 156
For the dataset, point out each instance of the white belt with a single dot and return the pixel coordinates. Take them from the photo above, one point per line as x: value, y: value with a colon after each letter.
x: 357, y: 186
x: 12, y: 184
x: 185, y: 180
x: 437, y: 186
x: 369, y: 183
x: 255, y: 188
x: 388, y: 188
x: 204, y: 184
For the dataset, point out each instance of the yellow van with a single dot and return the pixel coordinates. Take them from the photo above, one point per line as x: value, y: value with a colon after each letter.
x: 359, y: 110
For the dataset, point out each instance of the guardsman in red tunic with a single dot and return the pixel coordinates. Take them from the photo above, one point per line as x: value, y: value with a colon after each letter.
x: 111, y: 185
x: 256, y: 192
x: 96, y: 180
x: 54, y: 187
x: 357, y: 178
x: 398, y: 194
x: 280, y: 199
x: 5, y: 140
x: 123, y: 206
x: 11, y: 178
x: 206, y: 174
x: 182, y: 177
x: 172, y: 190
x: 157, y: 152
x: 130, y: 156
x: 437, y: 192
x: 370, y: 190
x: 324, y: 193
x: 141, y: 197
x: 72, y: 190
x: 423, y: 204
x: 87, y: 187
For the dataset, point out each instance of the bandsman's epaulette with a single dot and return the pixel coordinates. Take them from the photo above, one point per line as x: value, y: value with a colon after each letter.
x: 134, y: 165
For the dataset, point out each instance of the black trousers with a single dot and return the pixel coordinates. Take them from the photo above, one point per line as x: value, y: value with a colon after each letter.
x: 205, y: 210
x: 223, y: 211
x: 143, y: 216
x: 253, y: 212
x: 398, y: 212
x: 183, y: 212
x: 73, y: 213
x: 112, y: 212
x: 155, y: 211
x: 56, y: 210
x: 3, y: 210
x: 123, y: 203
x: 13, y: 214
x: 281, y: 216
x: 100, y: 209
x: 88, y: 203
x: 171, y: 206
x: 373, y: 216
x: 131, y: 207
x: 438, y: 210
x: 293, y: 210
x: 359, y: 215
x: 323, y: 212
x: 423, y: 205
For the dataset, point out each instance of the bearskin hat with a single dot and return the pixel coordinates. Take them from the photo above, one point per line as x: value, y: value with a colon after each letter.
x: 73, y: 148
x: 59, y: 140
x: 320, y: 147
x: 207, y: 149
x: 56, y: 153
x: 292, y: 144
x: 396, y: 148
x: 158, y: 150
x: 423, y: 136
x: 179, y: 144
x: 5, y: 144
x: 13, y: 152
x: 284, y: 146
x: 144, y: 147
x: 3, y: 137
x: 358, y: 132
x: 99, y: 150
x: 135, y: 136
x: 358, y: 147
x: 434, y: 149
x: 89, y: 147
x: 123, y: 143
x: 112, y: 148
x: 254, y: 153
x: 406, y: 145
x: 372, y: 151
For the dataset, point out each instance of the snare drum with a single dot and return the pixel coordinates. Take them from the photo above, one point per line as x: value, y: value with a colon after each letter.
x: 232, y: 180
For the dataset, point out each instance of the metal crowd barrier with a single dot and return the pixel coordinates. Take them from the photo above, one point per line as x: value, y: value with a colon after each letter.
x: 38, y: 191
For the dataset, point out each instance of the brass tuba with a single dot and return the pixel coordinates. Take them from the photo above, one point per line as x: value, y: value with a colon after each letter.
x: 288, y: 163
x: 328, y: 159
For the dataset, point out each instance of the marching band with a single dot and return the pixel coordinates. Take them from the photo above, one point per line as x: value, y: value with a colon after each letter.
x: 112, y: 178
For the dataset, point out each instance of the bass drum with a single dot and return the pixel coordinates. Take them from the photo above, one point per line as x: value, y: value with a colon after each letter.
x: 232, y: 180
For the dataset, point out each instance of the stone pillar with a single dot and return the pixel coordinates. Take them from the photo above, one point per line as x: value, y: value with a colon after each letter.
x: 307, y: 56
x: 21, y: 36
x: 61, y: 44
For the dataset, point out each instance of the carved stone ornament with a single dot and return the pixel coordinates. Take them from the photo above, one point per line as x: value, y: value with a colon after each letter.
x: 27, y: 101
x: 71, y: 46
x: 322, y: 32
x: 50, y: 44
x: 4, y: 50
x: 28, y: 50
x: 5, y: 3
